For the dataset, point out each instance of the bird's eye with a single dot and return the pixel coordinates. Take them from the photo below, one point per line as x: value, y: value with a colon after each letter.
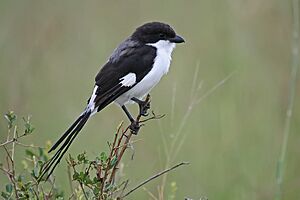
x: 161, y: 35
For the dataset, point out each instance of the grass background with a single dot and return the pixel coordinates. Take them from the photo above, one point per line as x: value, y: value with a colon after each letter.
x: 50, y: 53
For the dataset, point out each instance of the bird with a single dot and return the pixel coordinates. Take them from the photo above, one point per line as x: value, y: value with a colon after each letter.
x: 131, y: 72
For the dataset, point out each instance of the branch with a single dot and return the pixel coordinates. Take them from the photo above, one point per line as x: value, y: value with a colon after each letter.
x: 126, y: 142
x: 15, y: 139
x: 7, y: 142
x: 110, y: 157
x: 81, y: 186
x: 154, y: 177
x: 11, y: 175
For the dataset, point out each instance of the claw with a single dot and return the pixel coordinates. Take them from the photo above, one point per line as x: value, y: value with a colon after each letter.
x: 144, y: 107
x: 134, y: 127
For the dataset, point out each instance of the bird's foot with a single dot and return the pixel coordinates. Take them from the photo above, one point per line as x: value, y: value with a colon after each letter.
x: 144, y: 107
x: 134, y: 127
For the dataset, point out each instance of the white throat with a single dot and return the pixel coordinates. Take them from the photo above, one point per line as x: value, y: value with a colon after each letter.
x: 164, y: 53
x: 163, y: 45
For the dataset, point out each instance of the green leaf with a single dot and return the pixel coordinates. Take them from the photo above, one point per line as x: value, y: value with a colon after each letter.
x: 76, y: 176
x: 41, y: 151
x: 29, y: 153
x: 96, y: 191
x: 36, y: 170
x: 28, y: 126
x: 82, y: 158
x: 81, y: 175
x: 9, y: 188
x: 40, y: 163
x: 103, y: 157
x: 28, y: 185
x: 20, y: 184
x: 20, y: 178
x: 113, y: 161
x: 5, y: 195
x: 11, y: 118
x: 25, y: 164
x: 95, y: 180
x: 87, y: 180
x: 108, y: 187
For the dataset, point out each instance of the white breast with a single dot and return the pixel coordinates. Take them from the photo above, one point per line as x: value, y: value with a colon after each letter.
x: 160, y: 67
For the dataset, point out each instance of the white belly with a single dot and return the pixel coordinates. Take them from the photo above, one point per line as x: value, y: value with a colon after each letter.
x: 160, y: 67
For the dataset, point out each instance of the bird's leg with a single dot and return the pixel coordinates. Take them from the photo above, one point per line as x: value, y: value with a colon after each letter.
x: 134, y: 126
x: 144, y: 105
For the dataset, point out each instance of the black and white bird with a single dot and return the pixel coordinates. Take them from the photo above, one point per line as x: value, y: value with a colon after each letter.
x: 130, y: 73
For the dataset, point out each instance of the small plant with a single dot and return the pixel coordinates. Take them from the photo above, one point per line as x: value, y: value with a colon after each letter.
x: 23, y: 185
x: 97, y: 177
x: 89, y: 178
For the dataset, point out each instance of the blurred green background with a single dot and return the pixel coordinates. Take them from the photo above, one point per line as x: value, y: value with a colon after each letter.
x: 50, y: 52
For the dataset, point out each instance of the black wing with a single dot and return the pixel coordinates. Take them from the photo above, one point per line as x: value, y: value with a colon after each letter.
x: 137, y: 59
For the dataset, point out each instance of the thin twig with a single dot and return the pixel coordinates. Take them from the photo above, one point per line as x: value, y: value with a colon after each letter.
x: 120, y: 140
x: 5, y: 171
x: 121, y: 189
x: 127, y: 141
x: 9, y: 141
x: 52, y: 187
x: 110, y: 157
x: 153, y: 117
x: 219, y: 84
x: 70, y: 179
x: 8, y: 155
x: 28, y: 145
x: 35, y: 193
x: 150, y: 193
x: 11, y: 176
x: 124, y: 187
x: 131, y: 142
x: 112, y: 176
x: 72, y: 196
x: 14, y: 144
x: 195, y: 81
x: 154, y: 177
x: 81, y: 186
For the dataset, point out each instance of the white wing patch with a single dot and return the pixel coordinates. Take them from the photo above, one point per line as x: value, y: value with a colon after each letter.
x: 91, y: 105
x: 128, y: 80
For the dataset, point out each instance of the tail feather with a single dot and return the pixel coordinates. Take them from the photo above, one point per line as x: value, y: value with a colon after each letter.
x: 68, y: 138
x: 60, y: 140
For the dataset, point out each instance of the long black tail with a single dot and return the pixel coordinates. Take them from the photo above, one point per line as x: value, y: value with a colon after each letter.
x: 68, y: 138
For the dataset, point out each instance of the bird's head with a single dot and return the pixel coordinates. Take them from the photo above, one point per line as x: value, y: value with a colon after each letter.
x: 154, y: 32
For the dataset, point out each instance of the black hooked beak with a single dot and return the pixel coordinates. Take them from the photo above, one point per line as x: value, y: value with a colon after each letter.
x: 177, y: 39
